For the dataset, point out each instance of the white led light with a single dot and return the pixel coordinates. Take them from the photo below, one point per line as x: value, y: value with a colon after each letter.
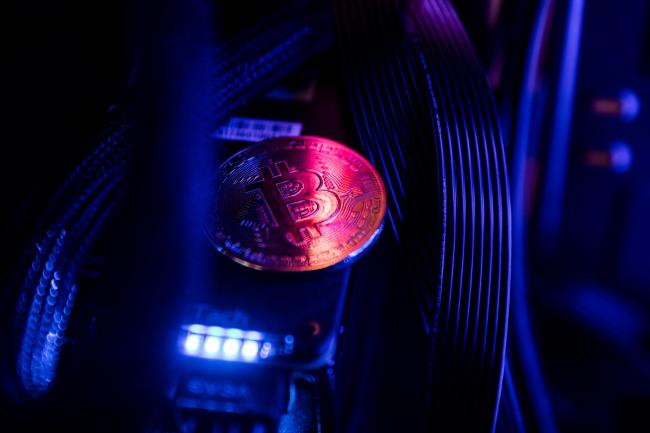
x: 212, y: 345
x: 216, y: 330
x: 234, y: 333
x: 197, y: 329
x: 231, y: 348
x: 249, y: 350
x: 229, y: 344
x: 192, y: 343
x: 254, y: 335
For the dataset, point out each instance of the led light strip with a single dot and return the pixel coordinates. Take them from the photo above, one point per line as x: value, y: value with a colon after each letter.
x: 231, y: 344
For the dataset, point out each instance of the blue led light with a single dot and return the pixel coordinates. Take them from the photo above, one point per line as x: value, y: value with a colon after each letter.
x: 288, y: 343
x: 212, y: 345
x: 630, y: 105
x: 230, y: 344
x: 621, y: 156
x: 254, y: 335
x: 197, y: 329
x: 231, y: 348
x: 235, y: 333
x: 193, y: 343
x: 266, y: 350
x: 216, y: 330
x: 249, y: 350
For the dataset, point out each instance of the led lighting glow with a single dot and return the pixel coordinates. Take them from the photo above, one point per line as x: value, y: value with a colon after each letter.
x: 231, y: 348
x: 234, y: 333
x: 197, y: 329
x: 266, y: 350
x: 249, y: 350
x: 229, y: 344
x: 212, y: 345
x: 254, y: 335
x: 193, y: 343
x: 288, y: 343
x: 216, y: 330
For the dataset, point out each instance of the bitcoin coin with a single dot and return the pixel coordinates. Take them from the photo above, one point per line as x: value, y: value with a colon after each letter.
x: 296, y: 204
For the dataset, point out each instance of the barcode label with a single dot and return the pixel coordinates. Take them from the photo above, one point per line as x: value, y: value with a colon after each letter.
x: 246, y: 129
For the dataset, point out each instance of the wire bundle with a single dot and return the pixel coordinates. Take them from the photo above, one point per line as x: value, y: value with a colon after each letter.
x: 426, y: 118
x: 80, y: 209
x: 75, y: 217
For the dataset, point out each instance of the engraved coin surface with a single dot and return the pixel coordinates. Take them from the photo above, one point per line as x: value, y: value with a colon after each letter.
x: 296, y: 204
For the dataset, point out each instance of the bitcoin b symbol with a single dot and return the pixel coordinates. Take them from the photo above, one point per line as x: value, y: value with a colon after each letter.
x: 296, y: 202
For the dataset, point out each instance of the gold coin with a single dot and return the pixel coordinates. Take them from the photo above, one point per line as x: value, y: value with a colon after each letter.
x: 296, y: 204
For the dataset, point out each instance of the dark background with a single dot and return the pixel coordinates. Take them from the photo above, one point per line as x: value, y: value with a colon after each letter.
x: 588, y: 286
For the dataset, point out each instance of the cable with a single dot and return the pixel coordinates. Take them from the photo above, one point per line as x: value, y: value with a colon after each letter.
x: 79, y: 210
x: 425, y: 117
x: 524, y: 342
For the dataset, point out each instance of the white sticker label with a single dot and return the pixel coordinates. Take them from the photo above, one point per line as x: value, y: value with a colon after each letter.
x: 246, y: 129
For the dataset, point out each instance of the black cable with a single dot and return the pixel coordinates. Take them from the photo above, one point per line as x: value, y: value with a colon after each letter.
x: 80, y: 209
x: 425, y: 116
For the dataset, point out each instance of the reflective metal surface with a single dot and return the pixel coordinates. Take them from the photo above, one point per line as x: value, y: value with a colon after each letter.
x: 296, y: 204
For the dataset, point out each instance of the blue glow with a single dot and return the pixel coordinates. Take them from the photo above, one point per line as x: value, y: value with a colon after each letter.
x: 47, y: 317
x: 235, y: 333
x: 230, y: 344
x: 288, y: 343
x: 212, y: 345
x: 197, y: 329
x: 259, y: 428
x: 193, y: 343
x: 254, y: 335
x: 231, y: 348
x: 630, y: 105
x: 216, y: 330
x: 249, y: 350
x: 621, y: 156
x: 266, y: 350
